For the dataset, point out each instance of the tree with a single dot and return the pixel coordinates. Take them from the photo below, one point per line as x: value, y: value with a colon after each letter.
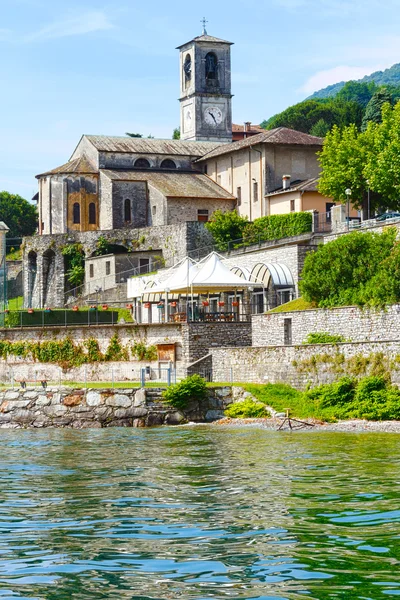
x: 134, y: 135
x: 343, y: 158
x: 226, y: 227
x: 339, y: 273
x: 18, y: 214
x: 383, y: 168
x: 176, y: 135
x: 356, y: 91
x: 373, y: 112
x: 320, y: 129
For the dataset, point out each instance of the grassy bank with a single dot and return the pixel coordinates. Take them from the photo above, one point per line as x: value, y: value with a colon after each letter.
x: 372, y: 398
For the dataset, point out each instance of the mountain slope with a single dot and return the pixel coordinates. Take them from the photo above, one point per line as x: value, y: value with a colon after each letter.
x: 389, y: 76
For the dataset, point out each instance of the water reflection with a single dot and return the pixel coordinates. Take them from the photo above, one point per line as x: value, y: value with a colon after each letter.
x: 198, y: 513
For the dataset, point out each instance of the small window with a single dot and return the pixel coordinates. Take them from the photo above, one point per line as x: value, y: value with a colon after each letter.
x: 154, y: 210
x: 205, y: 169
x: 255, y: 191
x: 292, y: 206
x: 142, y: 163
x: 239, y: 196
x: 168, y: 164
x: 92, y: 213
x: 287, y: 332
x: 202, y: 215
x: 144, y: 265
x: 91, y: 270
x: 108, y: 267
x: 127, y: 211
x: 76, y: 213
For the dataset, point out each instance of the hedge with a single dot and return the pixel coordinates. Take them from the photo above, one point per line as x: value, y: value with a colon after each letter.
x: 276, y: 227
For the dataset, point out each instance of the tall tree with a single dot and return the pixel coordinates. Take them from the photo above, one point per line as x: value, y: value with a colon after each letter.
x: 373, y: 112
x: 176, y: 135
x: 343, y: 158
x: 383, y: 167
x: 18, y: 214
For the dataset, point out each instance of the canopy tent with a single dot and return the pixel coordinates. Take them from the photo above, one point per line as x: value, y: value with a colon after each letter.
x: 215, y: 277
x: 180, y: 278
x: 136, y: 286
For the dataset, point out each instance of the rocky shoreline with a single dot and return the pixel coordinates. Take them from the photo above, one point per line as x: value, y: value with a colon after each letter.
x: 353, y: 426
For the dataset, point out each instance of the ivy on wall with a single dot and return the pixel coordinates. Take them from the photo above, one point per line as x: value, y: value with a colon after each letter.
x: 67, y: 354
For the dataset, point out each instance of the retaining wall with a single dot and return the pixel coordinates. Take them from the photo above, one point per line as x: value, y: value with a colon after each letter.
x: 133, y: 407
x: 300, y: 366
x: 352, y: 322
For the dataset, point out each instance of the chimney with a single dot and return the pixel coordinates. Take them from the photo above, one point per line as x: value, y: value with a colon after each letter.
x: 286, y: 182
x: 246, y: 128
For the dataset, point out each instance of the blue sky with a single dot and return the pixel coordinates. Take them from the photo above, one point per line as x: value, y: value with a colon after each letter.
x: 74, y: 67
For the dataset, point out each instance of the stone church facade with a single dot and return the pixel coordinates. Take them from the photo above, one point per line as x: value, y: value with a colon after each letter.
x: 153, y: 196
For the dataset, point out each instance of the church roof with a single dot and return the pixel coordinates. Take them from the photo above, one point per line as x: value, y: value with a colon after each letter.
x: 175, y: 184
x: 105, y: 143
x: 280, y: 135
x: 78, y: 165
x: 206, y: 38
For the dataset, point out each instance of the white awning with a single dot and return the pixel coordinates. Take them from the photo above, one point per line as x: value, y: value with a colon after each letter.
x: 279, y: 273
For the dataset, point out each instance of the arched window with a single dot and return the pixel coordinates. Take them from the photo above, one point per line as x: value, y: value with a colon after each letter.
x: 187, y: 68
x: 211, y: 67
x: 92, y: 213
x: 127, y: 211
x: 168, y: 164
x: 142, y: 163
x: 76, y: 213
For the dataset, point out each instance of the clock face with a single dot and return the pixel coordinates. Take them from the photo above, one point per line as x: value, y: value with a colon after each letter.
x: 213, y: 116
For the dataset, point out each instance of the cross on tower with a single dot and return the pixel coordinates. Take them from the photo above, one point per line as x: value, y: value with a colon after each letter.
x: 204, y: 22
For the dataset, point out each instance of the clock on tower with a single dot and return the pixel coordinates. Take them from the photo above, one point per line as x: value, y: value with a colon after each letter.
x: 205, y: 94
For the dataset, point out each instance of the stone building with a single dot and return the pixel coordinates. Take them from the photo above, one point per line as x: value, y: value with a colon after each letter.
x: 252, y: 168
x: 153, y: 196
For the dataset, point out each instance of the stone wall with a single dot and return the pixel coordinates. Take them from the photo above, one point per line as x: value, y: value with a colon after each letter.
x: 96, y: 408
x: 353, y: 323
x: 199, y: 338
x: 192, y: 342
x: 173, y: 242
x: 300, y: 366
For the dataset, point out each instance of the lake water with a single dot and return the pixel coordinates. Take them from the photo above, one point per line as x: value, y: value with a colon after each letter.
x: 199, y: 513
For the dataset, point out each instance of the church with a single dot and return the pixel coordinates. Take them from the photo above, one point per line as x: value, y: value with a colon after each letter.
x: 151, y: 197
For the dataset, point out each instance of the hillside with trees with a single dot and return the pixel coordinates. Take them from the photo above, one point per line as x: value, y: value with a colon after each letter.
x: 356, y: 103
x: 387, y: 77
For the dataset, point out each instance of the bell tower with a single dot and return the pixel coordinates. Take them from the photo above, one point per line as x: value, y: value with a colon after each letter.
x: 205, y: 89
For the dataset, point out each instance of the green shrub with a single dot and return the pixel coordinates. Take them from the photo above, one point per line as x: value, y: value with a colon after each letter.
x: 180, y: 394
x: 323, y: 337
x: 115, y: 350
x: 276, y: 227
x: 226, y: 227
x: 246, y: 409
x: 357, y: 268
x: 143, y: 352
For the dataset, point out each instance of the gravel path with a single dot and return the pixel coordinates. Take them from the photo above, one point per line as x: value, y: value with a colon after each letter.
x: 354, y: 426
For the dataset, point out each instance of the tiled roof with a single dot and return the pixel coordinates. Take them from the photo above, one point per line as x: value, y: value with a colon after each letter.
x: 174, y: 184
x: 306, y: 185
x: 77, y: 165
x: 240, y: 128
x: 105, y: 143
x: 206, y: 38
x: 280, y: 135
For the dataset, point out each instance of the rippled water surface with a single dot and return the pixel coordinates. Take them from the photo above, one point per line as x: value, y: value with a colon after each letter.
x: 198, y: 513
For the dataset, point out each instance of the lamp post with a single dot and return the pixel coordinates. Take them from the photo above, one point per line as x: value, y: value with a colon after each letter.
x: 369, y: 212
x: 348, y: 194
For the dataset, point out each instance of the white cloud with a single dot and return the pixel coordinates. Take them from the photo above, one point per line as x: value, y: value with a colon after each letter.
x: 81, y: 24
x: 330, y: 76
